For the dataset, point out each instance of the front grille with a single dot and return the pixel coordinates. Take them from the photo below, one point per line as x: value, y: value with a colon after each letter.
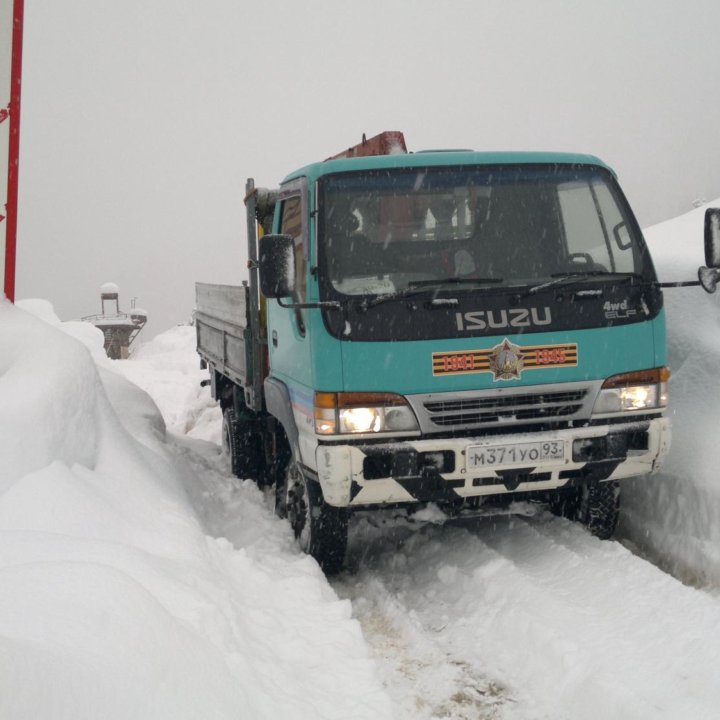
x: 544, y: 406
x: 495, y: 408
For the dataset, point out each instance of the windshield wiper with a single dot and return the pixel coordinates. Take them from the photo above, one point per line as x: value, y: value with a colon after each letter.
x: 454, y: 281
x: 572, y: 277
x: 386, y: 297
x: 420, y: 287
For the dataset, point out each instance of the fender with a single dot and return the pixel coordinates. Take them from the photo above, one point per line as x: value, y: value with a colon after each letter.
x: 277, y: 401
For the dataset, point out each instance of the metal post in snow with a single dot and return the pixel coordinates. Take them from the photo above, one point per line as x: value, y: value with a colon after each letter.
x: 13, y: 150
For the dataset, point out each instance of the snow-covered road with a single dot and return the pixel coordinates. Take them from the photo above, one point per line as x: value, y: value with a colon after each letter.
x: 522, y: 616
x: 531, y: 617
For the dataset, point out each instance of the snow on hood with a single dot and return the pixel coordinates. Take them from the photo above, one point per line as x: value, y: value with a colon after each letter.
x: 113, y: 601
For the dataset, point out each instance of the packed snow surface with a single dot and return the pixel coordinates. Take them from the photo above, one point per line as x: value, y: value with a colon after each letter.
x: 139, y: 580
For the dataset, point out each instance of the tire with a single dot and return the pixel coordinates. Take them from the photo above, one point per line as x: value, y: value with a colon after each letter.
x: 595, y: 505
x: 276, y: 474
x: 600, y: 508
x: 242, y: 447
x: 321, y: 530
x: 230, y: 440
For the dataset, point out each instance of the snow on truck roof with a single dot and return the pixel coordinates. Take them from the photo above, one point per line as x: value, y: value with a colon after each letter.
x: 440, y: 158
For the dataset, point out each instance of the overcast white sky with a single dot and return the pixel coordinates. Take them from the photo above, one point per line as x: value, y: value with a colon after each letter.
x: 142, y: 119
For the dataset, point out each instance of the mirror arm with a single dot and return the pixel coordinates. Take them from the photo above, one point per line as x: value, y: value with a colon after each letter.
x: 684, y: 283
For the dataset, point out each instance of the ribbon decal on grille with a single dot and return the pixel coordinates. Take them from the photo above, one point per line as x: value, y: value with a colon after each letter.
x: 505, y: 361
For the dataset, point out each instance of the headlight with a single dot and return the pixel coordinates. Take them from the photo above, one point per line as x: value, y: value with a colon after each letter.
x: 344, y: 413
x: 633, y: 392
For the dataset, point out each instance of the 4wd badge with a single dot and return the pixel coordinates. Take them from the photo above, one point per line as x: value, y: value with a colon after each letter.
x: 505, y: 361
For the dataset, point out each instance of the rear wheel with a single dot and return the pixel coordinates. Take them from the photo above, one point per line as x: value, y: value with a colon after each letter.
x: 230, y: 441
x: 595, y: 505
x: 321, y: 530
x: 242, y: 446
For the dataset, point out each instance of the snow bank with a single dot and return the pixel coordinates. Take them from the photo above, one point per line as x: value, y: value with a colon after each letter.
x: 37, y: 391
x: 114, y: 603
x: 675, y: 516
x: 168, y: 369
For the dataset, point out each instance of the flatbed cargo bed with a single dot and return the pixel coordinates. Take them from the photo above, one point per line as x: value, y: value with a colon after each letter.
x: 222, y: 326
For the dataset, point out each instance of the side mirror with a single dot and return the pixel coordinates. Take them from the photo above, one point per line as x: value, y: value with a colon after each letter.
x: 277, y: 266
x: 710, y: 276
x: 712, y: 237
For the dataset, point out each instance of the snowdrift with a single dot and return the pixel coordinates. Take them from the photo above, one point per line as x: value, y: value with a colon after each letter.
x: 113, y: 601
x: 675, y: 516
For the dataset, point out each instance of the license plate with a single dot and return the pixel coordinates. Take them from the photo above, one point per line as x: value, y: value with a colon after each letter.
x: 533, y: 453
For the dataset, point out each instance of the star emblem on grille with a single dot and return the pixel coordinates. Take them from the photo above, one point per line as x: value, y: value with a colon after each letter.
x: 506, y: 361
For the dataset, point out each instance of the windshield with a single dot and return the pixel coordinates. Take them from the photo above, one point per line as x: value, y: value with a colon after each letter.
x: 389, y: 231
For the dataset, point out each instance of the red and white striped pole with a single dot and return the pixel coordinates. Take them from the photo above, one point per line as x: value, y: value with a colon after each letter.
x: 10, y: 113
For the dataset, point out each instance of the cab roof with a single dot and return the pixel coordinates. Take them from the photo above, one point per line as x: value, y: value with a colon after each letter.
x: 442, y: 158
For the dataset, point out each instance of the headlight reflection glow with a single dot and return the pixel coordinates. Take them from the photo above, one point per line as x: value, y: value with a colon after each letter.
x: 348, y: 413
x: 636, y: 391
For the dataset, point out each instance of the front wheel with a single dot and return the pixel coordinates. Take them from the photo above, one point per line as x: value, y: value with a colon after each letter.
x: 595, y: 505
x: 321, y: 530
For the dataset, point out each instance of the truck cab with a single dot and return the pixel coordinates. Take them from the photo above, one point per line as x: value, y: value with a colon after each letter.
x: 455, y: 326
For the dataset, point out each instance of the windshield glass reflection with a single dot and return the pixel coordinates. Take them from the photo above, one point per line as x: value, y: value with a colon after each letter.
x: 386, y: 232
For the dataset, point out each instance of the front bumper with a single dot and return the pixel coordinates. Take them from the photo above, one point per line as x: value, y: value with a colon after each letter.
x: 438, y: 469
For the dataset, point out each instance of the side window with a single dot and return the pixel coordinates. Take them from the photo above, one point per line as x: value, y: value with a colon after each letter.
x: 583, y: 229
x: 595, y: 227
x: 620, y: 241
x: 291, y: 224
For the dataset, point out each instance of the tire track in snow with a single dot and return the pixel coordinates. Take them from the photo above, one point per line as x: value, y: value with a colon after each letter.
x: 424, y: 678
x: 537, y: 617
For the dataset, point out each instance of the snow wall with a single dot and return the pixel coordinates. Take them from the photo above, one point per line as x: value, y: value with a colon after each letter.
x: 114, y: 603
x: 674, y: 516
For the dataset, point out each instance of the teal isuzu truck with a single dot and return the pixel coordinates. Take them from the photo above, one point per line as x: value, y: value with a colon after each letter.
x: 454, y: 327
